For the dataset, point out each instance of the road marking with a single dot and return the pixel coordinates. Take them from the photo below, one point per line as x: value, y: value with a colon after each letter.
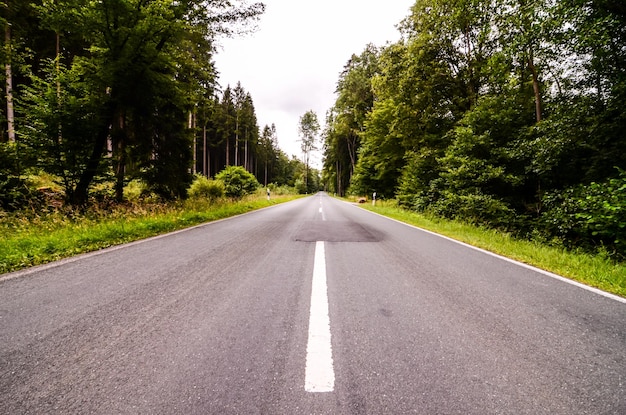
x: 512, y: 261
x: 320, y: 375
x: 322, y: 213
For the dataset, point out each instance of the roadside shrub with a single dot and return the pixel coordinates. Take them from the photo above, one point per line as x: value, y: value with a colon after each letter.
x: 14, y: 193
x: 590, y: 216
x: 478, y: 209
x: 135, y: 190
x: 201, y: 187
x: 238, y: 182
x: 281, y: 190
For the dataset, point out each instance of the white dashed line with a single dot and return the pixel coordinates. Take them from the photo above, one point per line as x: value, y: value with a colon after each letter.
x: 322, y: 213
x: 320, y: 375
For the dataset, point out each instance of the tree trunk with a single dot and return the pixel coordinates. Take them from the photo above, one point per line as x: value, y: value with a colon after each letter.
x: 120, y: 168
x: 338, y: 178
x: 306, y: 173
x: 195, y: 155
x: 351, y: 143
x: 536, y: 86
x: 80, y: 194
x: 120, y: 171
x: 204, y: 152
x: 58, y: 75
x: 245, y: 155
x: 9, y: 86
x: 208, y: 163
x: 228, y: 150
x: 58, y: 64
x: 237, y: 141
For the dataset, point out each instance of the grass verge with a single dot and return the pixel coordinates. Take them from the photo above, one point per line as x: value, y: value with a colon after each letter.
x: 594, y: 270
x: 37, y: 240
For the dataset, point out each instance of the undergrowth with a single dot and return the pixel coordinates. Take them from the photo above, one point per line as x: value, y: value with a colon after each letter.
x: 29, y: 238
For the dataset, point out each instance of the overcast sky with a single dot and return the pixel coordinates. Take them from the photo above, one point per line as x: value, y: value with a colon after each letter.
x: 291, y: 64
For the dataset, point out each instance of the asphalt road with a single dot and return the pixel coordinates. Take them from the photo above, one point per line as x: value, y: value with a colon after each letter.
x: 215, y: 320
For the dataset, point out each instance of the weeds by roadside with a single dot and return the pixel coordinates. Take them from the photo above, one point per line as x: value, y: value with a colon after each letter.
x: 34, y: 238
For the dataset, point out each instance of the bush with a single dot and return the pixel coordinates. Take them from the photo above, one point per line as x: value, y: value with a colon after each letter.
x: 201, y: 187
x: 277, y: 190
x: 589, y: 216
x: 478, y: 209
x: 238, y: 182
x: 14, y: 193
x: 136, y: 190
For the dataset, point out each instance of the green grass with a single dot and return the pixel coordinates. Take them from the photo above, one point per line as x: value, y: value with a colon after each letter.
x: 35, y: 239
x: 594, y: 270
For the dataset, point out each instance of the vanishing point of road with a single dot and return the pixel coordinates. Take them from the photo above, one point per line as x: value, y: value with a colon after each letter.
x: 310, y: 307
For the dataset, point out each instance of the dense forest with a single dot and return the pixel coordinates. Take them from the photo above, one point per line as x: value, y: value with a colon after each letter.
x: 99, y: 93
x: 505, y: 113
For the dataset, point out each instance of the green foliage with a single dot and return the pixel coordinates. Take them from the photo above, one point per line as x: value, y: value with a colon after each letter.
x: 62, y: 120
x: 309, y: 128
x: 39, y: 238
x: 474, y: 208
x: 505, y: 113
x: 238, y: 182
x: 300, y: 187
x: 381, y: 152
x: 280, y: 190
x: 14, y: 193
x: 136, y: 190
x: 114, y: 102
x: 202, y: 187
x: 346, y: 120
x: 311, y: 184
x: 591, y: 215
x: 417, y: 188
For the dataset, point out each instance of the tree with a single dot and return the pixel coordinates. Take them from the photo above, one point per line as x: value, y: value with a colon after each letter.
x: 137, y: 66
x: 238, y: 181
x: 346, y: 120
x: 228, y: 122
x: 268, y: 154
x: 249, y: 132
x: 498, y: 112
x: 308, y: 129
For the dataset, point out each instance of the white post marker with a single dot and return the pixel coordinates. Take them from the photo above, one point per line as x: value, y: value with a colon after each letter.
x: 320, y: 375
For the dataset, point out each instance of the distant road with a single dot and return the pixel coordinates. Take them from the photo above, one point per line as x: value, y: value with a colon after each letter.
x: 310, y: 307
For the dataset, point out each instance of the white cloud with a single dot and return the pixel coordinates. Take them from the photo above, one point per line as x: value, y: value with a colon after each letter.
x: 292, y: 63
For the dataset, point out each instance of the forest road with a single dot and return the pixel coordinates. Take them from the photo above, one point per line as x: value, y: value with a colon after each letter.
x: 310, y: 307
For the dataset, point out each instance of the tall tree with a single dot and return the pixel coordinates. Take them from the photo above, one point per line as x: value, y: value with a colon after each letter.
x: 346, y: 120
x: 135, y: 67
x: 9, y: 83
x: 228, y: 122
x: 308, y: 129
x: 249, y: 131
x: 239, y: 98
x: 269, y: 154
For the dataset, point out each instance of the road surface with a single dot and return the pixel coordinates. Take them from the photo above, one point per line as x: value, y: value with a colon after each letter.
x: 311, y: 307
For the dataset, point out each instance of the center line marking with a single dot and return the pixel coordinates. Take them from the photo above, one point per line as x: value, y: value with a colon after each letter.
x: 322, y: 213
x: 320, y: 375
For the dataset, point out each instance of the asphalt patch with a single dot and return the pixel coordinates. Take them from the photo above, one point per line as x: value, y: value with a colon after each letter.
x: 330, y: 231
